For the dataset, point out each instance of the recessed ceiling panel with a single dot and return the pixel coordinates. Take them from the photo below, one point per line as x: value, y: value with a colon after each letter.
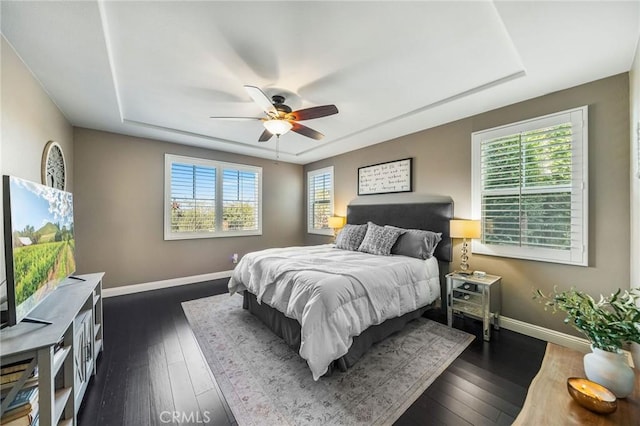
x: 391, y: 68
x: 375, y: 62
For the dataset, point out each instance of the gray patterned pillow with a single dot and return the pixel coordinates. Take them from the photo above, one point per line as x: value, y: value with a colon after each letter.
x: 350, y: 237
x: 416, y: 243
x: 379, y: 240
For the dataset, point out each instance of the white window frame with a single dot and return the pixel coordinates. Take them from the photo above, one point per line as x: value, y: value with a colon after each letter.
x: 310, y: 177
x: 220, y: 166
x: 579, y: 253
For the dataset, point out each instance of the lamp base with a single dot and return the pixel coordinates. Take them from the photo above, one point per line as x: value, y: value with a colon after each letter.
x: 458, y: 272
x: 464, y: 266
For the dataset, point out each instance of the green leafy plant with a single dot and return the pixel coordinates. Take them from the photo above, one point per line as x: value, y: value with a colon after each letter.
x: 608, y: 324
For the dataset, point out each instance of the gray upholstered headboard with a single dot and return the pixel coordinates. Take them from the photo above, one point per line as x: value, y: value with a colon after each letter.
x: 429, y: 213
x: 412, y: 211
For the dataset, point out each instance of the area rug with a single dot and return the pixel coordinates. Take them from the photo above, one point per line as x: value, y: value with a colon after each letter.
x: 265, y: 382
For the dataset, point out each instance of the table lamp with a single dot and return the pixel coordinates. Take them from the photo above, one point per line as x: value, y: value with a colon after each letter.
x: 335, y: 223
x: 462, y: 228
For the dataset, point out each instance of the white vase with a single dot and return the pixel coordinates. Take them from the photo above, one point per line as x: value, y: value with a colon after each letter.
x: 611, y: 370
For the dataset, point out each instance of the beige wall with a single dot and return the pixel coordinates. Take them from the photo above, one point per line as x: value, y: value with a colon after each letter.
x: 442, y: 165
x: 29, y: 120
x: 119, y: 211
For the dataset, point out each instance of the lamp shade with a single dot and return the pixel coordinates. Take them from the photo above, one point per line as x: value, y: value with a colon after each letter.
x: 277, y: 127
x: 336, y: 222
x: 460, y: 228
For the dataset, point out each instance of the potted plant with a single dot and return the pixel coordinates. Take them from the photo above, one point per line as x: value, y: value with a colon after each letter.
x: 609, y: 324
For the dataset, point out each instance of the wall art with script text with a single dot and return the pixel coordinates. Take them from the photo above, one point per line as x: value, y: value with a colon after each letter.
x: 385, y: 178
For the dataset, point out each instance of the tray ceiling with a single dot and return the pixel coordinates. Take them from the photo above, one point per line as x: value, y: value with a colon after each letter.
x: 161, y: 69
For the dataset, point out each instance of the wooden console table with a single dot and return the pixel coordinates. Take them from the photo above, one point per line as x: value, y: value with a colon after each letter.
x: 548, y: 402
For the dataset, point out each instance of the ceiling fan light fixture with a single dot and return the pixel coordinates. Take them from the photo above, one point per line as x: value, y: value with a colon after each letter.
x: 277, y: 127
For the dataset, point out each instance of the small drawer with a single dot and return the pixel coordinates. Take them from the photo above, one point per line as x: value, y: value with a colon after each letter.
x: 462, y: 285
x: 467, y: 297
x: 461, y: 295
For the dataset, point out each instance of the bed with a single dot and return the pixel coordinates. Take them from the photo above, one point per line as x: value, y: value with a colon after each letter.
x: 331, y: 305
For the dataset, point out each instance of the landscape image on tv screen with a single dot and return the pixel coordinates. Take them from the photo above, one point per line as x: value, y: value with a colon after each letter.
x: 43, y: 241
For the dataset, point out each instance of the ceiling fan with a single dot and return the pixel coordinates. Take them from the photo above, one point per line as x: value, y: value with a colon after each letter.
x: 280, y: 118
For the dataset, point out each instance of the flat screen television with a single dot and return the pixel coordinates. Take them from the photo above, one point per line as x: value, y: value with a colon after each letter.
x: 39, y: 244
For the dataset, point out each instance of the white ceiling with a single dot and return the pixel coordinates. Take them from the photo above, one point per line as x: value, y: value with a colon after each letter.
x: 160, y: 69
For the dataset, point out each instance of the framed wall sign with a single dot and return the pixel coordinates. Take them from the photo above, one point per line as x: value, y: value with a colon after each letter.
x: 385, y: 178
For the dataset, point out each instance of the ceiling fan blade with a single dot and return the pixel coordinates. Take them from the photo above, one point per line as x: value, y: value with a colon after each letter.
x: 237, y: 118
x: 265, y: 136
x: 261, y: 99
x: 313, y: 112
x: 306, y: 131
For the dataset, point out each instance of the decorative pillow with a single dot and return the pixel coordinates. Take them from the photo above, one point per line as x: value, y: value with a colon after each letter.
x: 416, y: 243
x: 350, y: 237
x: 379, y: 240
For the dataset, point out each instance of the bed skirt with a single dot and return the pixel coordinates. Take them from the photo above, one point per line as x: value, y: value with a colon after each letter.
x: 289, y: 330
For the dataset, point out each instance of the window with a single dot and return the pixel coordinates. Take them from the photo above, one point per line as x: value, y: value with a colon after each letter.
x: 319, y: 201
x: 206, y: 198
x: 529, y: 186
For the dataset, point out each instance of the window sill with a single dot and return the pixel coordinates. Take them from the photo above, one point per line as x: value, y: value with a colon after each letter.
x: 193, y: 236
x: 321, y: 232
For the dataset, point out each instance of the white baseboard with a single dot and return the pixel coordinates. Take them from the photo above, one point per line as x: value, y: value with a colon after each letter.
x: 155, y: 285
x: 563, y: 339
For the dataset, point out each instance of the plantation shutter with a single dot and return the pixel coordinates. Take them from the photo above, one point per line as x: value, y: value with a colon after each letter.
x: 320, y: 200
x: 193, y: 198
x: 530, y: 184
x: 207, y: 198
x: 240, y: 194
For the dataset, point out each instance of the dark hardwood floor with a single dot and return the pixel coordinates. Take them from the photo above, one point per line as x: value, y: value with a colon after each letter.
x: 486, y: 385
x: 153, y: 373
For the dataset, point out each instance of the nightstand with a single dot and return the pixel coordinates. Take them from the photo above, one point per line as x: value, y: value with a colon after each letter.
x: 475, y: 297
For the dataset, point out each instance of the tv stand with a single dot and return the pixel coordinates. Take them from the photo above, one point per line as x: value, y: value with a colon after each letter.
x: 65, y: 351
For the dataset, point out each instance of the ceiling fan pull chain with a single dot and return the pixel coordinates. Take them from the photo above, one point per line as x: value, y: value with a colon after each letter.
x: 277, y: 148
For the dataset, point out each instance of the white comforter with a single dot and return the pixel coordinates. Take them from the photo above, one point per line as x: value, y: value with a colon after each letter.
x: 335, y: 294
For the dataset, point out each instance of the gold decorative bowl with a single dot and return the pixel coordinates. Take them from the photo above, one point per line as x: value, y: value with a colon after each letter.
x: 591, y: 395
